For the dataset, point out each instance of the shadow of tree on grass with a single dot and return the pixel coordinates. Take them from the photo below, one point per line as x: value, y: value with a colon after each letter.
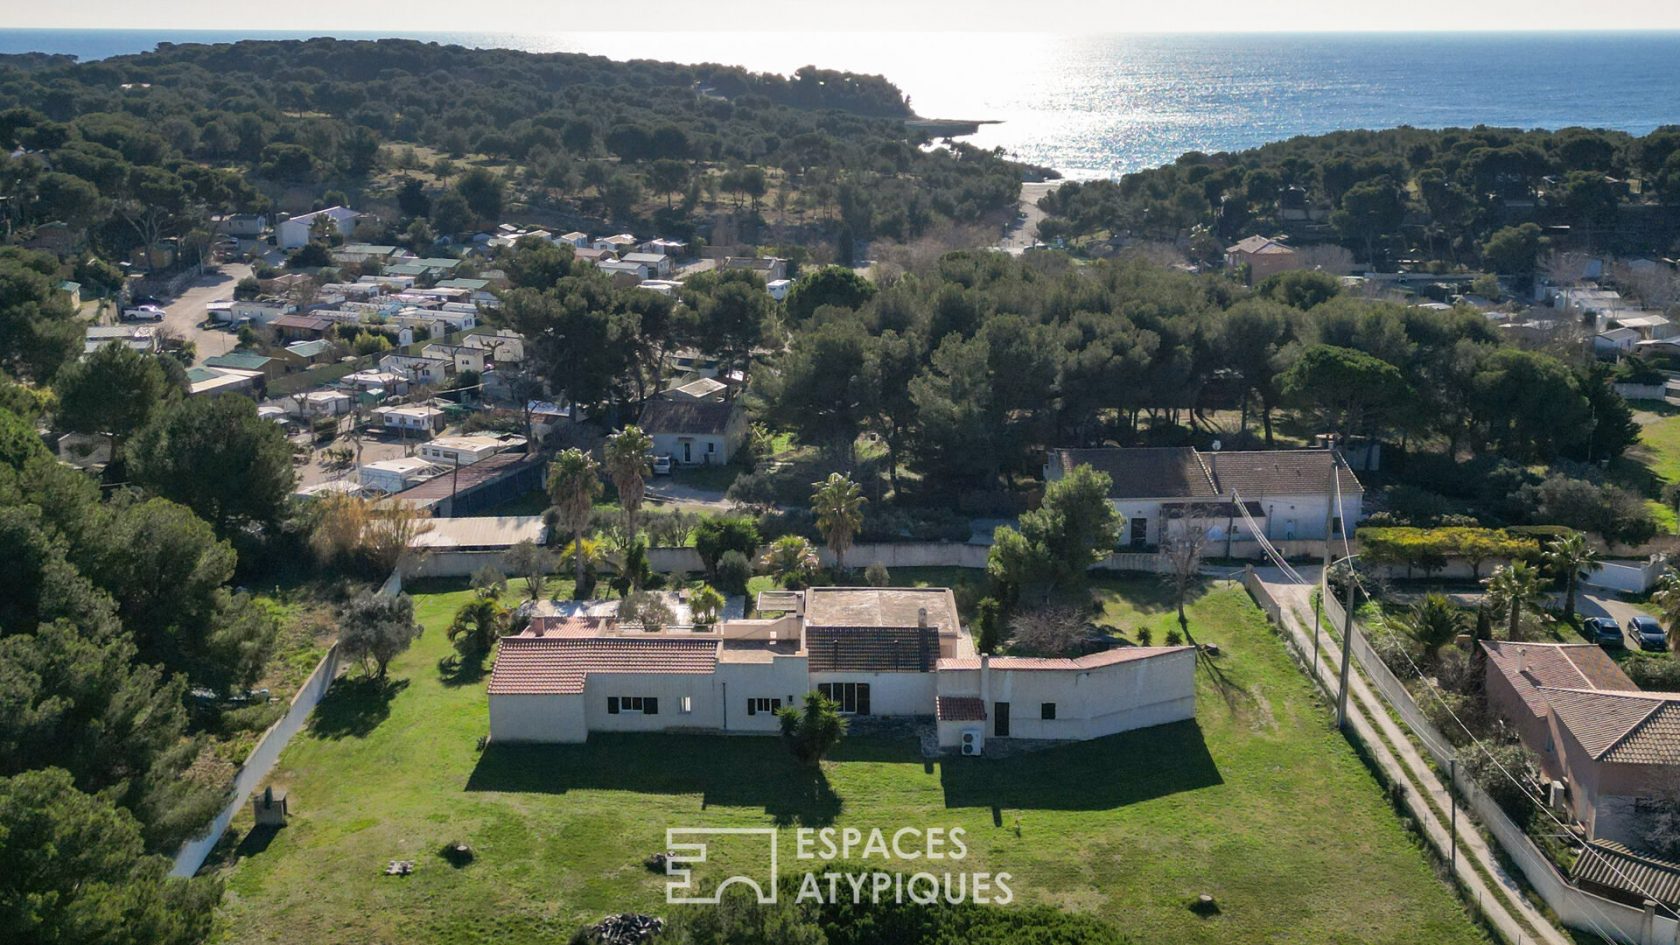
x: 353, y: 707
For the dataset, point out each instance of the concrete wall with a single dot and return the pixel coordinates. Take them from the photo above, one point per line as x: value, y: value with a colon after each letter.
x: 1633, y: 577
x: 260, y: 762
x: 784, y: 678
x: 1642, y: 391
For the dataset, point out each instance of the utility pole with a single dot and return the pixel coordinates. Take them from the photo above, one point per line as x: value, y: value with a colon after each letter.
x: 1452, y: 801
x: 1347, y: 652
x: 1324, y: 575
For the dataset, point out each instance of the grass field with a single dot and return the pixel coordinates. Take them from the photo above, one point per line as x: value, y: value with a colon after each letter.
x: 1258, y: 803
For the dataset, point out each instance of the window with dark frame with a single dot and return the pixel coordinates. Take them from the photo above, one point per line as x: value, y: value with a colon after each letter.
x: 852, y: 698
x: 1047, y: 711
x: 758, y: 706
x: 620, y: 705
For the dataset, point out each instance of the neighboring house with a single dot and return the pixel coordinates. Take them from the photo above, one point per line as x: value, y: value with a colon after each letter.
x: 768, y: 268
x: 240, y: 359
x: 676, y: 249
x: 209, y: 380
x: 72, y: 291
x: 467, y: 450
x: 463, y: 357
x: 708, y: 389
x: 1615, y: 746
x: 1264, y: 258
x: 778, y: 288
x: 470, y: 490
x: 1651, y: 326
x: 1615, y: 341
x: 478, y: 290
x: 418, y: 370
x: 356, y: 253
x: 296, y: 327
x: 324, y: 403
x: 423, y: 418
x: 141, y: 338
x: 874, y: 651
x: 390, y: 476
x: 295, y: 232
x: 242, y: 225
x: 694, y: 433
x: 318, y: 351
x: 624, y: 271
x: 574, y: 239
x: 506, y: 346
x: 1288, y: 494
x: 657, y: 264
x: 261, y: 311
x: 615, y: 244
x: 592, y: 255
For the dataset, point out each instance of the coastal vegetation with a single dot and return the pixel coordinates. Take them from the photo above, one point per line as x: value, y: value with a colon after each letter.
x: 1441, y: 198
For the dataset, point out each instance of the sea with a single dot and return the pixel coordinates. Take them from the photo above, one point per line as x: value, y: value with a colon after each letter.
x: 1100, y: 105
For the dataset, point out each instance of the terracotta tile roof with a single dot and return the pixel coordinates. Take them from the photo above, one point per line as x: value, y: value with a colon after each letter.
x: 1258, y: 244
x: 1110, y: 657
x: 1529, y: 666
x: 961, y: 709
x: 1158, y: 472
x: 872, y: 649
x: 530, y: 665
x: 1256, y: 473
x: 1627, y: 875
x: 1636, y: 728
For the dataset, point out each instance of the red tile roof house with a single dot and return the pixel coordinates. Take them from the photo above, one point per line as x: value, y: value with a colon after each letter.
x: 875, y: 651
x: 1614, y: 745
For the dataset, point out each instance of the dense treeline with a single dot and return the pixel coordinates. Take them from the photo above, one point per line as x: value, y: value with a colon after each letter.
x: 965, y: 375
x: 114, y: 604
x: 136, y: 149
x: 1454, y: 196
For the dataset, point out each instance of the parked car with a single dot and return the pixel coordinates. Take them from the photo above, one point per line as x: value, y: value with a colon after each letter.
x: 1647, y: 633
x: 1604, y: 632
x: 143, y: 313
x: 662, y: 465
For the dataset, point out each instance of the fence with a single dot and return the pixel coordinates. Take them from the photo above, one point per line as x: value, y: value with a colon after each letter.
x: 1574, y: 906
x: 259, y: 763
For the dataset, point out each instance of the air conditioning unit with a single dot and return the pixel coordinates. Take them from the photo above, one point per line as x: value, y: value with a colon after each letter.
x: 972, y: 741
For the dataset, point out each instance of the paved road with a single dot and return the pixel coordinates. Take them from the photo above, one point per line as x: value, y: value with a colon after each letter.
x: 1024, y: 232
x: 186, y: 315
x: 1596, y: 605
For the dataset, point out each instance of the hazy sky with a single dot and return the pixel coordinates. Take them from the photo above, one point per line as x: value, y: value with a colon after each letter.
x: 853, y: 15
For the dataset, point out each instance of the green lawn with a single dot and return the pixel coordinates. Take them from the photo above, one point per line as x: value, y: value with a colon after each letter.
x: 1258, y: 802
x: 1654, y: 462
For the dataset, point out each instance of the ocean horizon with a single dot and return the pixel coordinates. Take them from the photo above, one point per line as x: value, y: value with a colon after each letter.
x: 1106, y: 104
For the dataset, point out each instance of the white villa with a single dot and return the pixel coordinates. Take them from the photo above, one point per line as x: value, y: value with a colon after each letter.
x: 874, y: 651
x: 1289, y: 494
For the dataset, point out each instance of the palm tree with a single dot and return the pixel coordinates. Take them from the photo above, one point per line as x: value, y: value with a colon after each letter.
x: 587, y: 556
x: 837, y: 503
x: 1512, y: 588
x: 1434, y: 622
x: 573, y: 484
x: 627, y: 463
x: 791, y: 560
x: 1667, y: 599
x: 479, y: 624
x: 1571, y: 558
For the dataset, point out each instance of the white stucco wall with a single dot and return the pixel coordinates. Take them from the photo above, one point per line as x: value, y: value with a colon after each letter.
x: 549, y: 718
x: 706, y: 707
x: 890, y: 693
x: 1089, y: 703
x: 783, y: 679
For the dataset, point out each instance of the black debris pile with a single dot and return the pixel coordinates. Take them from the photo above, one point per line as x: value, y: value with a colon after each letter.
x: 626, y: 928
x: 656, y: 862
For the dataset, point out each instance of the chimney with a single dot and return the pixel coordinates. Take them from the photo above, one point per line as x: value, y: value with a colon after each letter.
x: 985, y: 679
x: 921, y: 617
x: 537, y: 626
